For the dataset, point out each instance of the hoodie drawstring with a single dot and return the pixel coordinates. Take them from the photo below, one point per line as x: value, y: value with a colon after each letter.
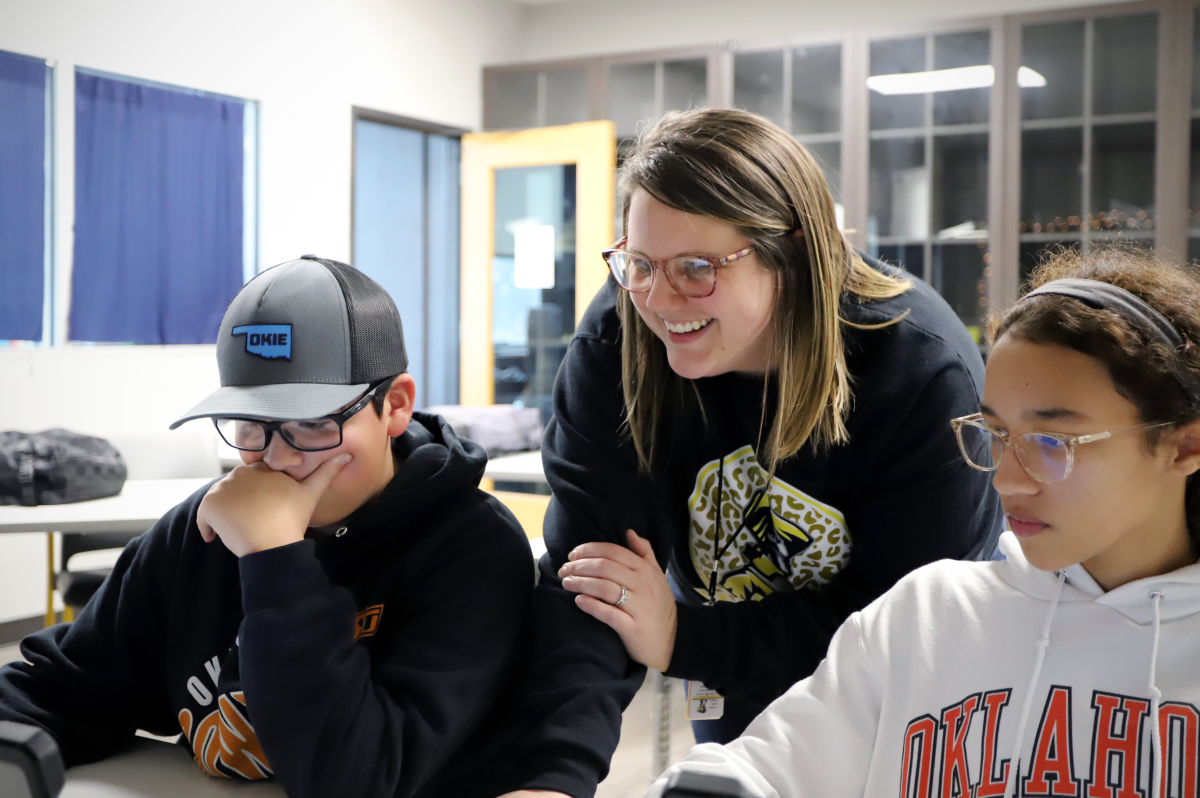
x: 1155, y: 697
x: 1043, y: 643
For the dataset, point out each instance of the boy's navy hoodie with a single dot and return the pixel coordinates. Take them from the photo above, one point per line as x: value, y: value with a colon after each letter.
x: 352, y: 665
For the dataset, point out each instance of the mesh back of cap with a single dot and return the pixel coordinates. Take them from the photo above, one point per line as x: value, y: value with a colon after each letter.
x: 376, y: 335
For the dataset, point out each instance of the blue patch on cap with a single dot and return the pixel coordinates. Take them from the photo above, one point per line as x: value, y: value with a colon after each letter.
x: 269, y: 341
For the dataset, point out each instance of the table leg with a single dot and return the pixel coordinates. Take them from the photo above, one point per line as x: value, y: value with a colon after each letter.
x: 49, y: 579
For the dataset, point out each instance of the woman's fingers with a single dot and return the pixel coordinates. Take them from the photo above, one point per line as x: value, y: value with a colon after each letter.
x: 607, y: 551
x: 648, y: 620
x: 604, y: 569
x: 607, y: 591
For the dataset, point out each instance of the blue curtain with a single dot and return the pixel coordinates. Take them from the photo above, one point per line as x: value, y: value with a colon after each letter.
x: 22, y: 195
x: 158, y: 213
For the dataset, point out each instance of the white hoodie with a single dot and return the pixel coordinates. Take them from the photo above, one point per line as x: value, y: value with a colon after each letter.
x: 925, y: 693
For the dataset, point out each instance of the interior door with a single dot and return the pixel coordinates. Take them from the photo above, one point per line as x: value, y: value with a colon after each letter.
x: 537, y: 209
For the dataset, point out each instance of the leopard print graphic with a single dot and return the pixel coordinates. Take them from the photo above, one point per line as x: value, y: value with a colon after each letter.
x: 789, y: 540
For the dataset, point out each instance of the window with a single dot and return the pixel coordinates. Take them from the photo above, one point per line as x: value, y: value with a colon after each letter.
x: 536, y: 98
x: 1088, y: 132
x: 25, y: 162
x: 164, y: 210
x: 640, y: 92
x: 406, y: 238
x: 928, y: 195
x: 800, y: 89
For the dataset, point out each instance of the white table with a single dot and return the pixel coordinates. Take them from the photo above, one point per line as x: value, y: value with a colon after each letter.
x: 520, y: 467
x: 135, y: 509
x: 153, y: 769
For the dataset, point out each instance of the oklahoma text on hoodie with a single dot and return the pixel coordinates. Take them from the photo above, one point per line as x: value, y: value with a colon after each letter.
x: 962, y: 669
x: 831, y: 532
x: 355, y: 665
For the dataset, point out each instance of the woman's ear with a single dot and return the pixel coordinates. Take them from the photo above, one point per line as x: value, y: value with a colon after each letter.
x: 1186, y: 456
x: 398, y: 404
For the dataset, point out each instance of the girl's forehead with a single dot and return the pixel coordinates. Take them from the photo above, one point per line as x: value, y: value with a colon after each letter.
x: 1029, y: 381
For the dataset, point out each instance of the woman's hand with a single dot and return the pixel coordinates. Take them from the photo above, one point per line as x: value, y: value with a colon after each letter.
x: 534, y: 794
x: 646, y: 619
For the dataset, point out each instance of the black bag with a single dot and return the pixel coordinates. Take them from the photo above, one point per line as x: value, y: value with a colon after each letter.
x: 57, y: 467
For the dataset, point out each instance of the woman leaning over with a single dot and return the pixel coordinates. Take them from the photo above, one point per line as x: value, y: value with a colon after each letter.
x: 759, y: 409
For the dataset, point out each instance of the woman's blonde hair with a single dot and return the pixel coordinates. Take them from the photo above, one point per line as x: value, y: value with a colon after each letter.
x: 742, y: 169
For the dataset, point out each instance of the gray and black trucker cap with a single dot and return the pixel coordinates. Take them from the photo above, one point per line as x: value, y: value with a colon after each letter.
x: 301, y: 340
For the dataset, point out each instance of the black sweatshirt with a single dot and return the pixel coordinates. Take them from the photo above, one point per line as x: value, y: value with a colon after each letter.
x: 834, y: 531
x: 355, y: 665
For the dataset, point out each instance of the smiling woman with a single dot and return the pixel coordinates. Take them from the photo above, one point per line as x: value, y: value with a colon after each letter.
x: 750, y: 441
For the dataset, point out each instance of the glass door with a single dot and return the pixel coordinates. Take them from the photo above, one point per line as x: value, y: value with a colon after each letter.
x: 535, y: 216
x: 536, y: 212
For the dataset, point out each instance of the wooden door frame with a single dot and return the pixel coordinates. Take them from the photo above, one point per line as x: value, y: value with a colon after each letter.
x: 592, y: 148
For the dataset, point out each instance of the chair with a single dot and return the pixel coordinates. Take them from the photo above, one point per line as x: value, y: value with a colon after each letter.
x: 166, y: 455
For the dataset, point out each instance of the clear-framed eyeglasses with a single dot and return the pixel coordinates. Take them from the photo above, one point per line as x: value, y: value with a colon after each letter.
x: 693, y: 276
x: 1046, y: 456
x: 306, y: 435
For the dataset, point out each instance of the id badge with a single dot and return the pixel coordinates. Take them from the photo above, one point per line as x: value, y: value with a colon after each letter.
x: 704, y: 703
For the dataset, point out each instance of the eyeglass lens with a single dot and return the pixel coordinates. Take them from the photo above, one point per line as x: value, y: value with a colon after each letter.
x: 689, y: 276
x: 310, y: 434
x: 1044, y: 457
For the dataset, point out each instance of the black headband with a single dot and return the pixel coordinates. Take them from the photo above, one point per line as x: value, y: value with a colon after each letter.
x: 1147, y: 320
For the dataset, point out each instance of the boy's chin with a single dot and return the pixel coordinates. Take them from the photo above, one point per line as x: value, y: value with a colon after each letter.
x: 326, y: 514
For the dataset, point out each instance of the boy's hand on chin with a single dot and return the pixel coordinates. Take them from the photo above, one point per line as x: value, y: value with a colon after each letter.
x: 255, y: 508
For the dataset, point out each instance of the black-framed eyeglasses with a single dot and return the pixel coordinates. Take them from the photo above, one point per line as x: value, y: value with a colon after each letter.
x: 305, y: 435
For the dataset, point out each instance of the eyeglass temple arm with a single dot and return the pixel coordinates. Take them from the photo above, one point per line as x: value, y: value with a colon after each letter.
x: 1099, y: 436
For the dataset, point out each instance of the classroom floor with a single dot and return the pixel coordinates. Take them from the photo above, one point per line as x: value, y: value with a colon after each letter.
x: 629, y: 776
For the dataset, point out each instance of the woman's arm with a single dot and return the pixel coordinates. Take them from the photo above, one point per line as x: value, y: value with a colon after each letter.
x: 919, y: 503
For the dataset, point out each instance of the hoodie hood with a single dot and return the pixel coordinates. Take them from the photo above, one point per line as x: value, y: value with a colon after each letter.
x: 1180, y: 589
x: 1153, y: 601
x: 435, y: 465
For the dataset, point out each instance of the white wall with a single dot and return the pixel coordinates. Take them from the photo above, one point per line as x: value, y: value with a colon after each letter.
x: 595, y: 27
x: 307, y: 62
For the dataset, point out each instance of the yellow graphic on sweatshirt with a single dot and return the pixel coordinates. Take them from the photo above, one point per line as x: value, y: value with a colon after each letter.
x: 785, y: 539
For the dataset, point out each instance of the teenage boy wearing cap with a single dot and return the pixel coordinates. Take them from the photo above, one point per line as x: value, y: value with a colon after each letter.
x: 340, y: 612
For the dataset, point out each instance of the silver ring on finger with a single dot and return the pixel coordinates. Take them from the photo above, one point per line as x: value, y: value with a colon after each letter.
x: 624, y: 597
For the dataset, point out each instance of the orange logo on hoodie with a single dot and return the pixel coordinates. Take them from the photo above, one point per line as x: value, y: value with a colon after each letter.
x: 226, y: 738
x: 366, y: 623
